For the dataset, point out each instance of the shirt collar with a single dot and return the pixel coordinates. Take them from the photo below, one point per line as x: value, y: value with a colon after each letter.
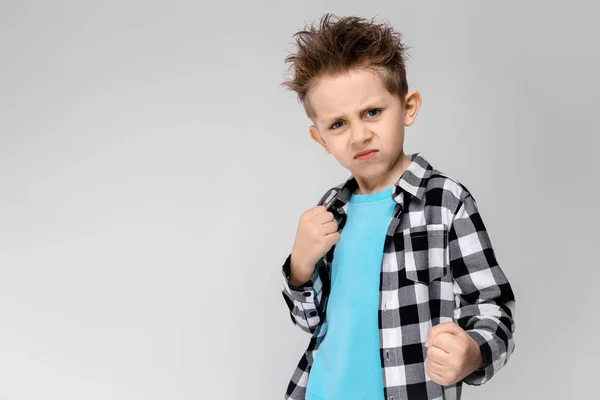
x: 412, y: 182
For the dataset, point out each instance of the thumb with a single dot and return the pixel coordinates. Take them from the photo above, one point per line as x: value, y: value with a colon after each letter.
x: 446, y: 327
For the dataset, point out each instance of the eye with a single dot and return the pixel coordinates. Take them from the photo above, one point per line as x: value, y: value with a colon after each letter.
x: 374, y: 109
x: 332, y: 126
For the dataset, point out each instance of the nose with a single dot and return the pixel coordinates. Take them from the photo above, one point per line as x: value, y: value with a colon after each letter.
x: 359, y: 134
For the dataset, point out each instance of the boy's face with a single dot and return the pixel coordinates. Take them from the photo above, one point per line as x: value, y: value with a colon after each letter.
x: 355, y: 112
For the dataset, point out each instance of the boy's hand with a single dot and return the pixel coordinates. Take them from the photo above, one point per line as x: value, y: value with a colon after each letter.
x: 316, y: 234
x: 451, y: 354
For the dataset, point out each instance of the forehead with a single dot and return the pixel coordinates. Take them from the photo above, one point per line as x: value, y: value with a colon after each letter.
x: 346, y: 93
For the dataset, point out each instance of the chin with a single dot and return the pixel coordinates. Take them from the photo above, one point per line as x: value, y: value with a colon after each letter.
x: 372, y: 172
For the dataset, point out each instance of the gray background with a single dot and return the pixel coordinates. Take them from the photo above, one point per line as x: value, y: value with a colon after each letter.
x: 152, y: 174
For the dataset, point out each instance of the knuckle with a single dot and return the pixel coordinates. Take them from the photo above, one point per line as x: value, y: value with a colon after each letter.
x: 455, y: 368
x: 452, y: 378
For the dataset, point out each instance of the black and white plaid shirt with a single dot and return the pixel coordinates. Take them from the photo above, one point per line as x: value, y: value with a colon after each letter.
x: 438, y: 265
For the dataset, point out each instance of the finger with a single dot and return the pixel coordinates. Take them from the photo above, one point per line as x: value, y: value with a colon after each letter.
x: 314, y: 211
x: 445, y: 327
x: 438, y: 355
x: 333, y: 238
x: 445, y: 341
x: 317, y: 210
x: 448, y: 342
x: 434, y: 366
x: 329, y: 227
x: 437, y: 378
x: 324, y: 217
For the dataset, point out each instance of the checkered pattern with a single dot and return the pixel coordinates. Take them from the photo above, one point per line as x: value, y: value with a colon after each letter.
x: 438, y: 265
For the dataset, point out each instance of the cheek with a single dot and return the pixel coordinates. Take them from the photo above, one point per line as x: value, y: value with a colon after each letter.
x: 398, y: 139
x: 339, y: 150
x: 341, y: 155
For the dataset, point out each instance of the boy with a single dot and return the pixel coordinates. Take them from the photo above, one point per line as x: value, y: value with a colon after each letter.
x: 393, y: 271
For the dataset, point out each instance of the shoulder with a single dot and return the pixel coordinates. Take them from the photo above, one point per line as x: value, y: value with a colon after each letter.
x: 446, y: 191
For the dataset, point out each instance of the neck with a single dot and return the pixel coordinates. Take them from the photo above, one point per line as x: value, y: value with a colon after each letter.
x: 385, y: 181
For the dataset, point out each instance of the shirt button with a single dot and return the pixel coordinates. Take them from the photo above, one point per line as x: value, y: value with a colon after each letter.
x: 387, y: 355
x: 306, y: 294
x: 313, y: 313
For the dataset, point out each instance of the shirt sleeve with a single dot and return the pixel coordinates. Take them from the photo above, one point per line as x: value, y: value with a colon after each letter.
x: 302, y: 301
x: 305, y: 302
x: 486, y: 302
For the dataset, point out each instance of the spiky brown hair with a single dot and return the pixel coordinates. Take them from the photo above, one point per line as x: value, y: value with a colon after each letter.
x: 339, y: 44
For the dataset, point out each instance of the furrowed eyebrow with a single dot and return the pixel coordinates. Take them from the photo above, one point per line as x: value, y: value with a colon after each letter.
x: 372, y: 105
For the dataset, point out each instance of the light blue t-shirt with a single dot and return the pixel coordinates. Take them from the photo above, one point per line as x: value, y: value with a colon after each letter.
x: 347, y: 364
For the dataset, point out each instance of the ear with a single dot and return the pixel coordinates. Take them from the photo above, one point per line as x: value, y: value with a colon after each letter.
x: 412, y: 103
x: 316, y: 136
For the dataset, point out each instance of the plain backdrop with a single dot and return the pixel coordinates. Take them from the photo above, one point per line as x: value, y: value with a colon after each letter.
x: 153, y: 171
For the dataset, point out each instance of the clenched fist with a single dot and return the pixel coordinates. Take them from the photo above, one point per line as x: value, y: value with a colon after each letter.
x: 315, y: 236
x: 452, y: 354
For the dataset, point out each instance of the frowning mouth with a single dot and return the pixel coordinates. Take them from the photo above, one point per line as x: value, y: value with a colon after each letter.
x: 364, y: 155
